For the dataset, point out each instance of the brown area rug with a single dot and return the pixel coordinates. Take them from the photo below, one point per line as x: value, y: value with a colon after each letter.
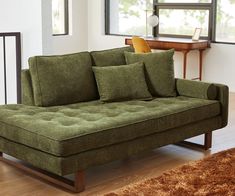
x: 214, y: 175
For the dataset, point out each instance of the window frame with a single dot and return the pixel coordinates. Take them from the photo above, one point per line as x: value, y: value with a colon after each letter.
x: 107, y: 21
x: 211, y: 7
x: 187, y: 6
x: 66, y: 20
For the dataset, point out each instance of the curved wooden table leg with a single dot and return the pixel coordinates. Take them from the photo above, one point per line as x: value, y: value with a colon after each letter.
x: 200, y: 63
x: 185, y: 53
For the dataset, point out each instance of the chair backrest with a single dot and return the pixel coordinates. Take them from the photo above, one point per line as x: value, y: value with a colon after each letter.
x: 140, y: 45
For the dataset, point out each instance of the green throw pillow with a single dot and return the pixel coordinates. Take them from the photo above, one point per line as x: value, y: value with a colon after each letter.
x: 62, y: 79
x: 124, y: 82
x: 159, y: 71
x: 110, y: 57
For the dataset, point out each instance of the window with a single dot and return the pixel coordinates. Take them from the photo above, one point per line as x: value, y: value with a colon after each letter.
x: 177, y: 18
x: 60, y: 17
x: 225, y: 26
x: 182, y: 17
x: 127, y: 17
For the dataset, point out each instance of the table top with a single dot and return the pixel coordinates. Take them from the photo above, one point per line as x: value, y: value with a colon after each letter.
x: 178, y: 44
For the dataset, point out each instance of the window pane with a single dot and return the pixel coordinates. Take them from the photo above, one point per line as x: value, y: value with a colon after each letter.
x: 59, y: 16
x: 128, y: 17
x: 183, y: 22
x: 225, y: 27
x: 184, y: 1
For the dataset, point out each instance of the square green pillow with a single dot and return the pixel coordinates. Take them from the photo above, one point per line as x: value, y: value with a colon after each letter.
x: 159, y: 71
x: 124, y: 82
x: 110, y: 57
x: 62, y: 79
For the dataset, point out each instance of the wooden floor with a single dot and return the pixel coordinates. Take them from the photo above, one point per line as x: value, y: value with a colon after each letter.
x: 112, y: 176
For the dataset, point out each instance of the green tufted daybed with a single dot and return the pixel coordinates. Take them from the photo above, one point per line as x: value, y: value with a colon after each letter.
x: 62, y: 133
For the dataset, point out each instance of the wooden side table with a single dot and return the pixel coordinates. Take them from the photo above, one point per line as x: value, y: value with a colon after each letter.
x: 181, y: 45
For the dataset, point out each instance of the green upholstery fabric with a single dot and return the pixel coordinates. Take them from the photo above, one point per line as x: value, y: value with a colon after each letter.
x: 110, y: 57
x: 81, y: 161
x: 159, y: 71
x: 124, y: 82
x: 72, y: 129
x: 27, y: 89
x: 223, y: 97
x: 196, y: 89
x: 191, y: 89
x: 64, y: 79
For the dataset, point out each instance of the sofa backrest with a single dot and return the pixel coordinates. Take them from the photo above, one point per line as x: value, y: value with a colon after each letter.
x: 63, y: 79
x: 66, y: 79
x: 110, y: 57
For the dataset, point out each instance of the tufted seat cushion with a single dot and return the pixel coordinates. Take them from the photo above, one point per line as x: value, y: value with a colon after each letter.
x: 72, y: 129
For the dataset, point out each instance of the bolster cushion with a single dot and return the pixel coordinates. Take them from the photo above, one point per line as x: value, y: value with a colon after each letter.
x: 62, y: 79
x: 196, y: 89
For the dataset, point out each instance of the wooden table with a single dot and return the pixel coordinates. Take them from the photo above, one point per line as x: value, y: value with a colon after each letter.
x: 181, y: 45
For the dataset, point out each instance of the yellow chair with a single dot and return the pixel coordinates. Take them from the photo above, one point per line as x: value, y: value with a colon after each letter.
x: 140, y: 45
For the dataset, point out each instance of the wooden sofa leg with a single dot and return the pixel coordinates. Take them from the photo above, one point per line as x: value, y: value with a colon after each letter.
x: 1, y: 154
x: 206, y: 146
x: 79, y: 181
x: 208, y: 141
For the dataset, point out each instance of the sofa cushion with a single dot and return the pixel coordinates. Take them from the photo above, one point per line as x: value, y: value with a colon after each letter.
x: 159, y: 71
x: 79, y: 162
x: 71, y: 129
x: 110, y: 57
x: 197, y: 89
x: 124, y: 82
x: 63, y: 79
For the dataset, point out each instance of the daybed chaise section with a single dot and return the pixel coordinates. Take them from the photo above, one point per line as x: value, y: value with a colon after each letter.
x: 69, y: 138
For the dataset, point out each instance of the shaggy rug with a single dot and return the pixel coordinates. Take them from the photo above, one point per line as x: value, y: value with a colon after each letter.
x: 214, y: 175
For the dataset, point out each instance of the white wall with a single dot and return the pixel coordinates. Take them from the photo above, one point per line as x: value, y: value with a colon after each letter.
x: 23, y: 16
x: 46, y: 15
x: 77, y: 40
x: 33, y: 19
x: 219, y: 64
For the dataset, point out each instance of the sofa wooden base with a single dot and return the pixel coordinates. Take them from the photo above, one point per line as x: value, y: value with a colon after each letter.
x: 78, y: 185
x: 206, y: 146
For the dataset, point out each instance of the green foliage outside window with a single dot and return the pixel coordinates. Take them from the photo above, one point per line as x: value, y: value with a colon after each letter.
x: 133, y: 10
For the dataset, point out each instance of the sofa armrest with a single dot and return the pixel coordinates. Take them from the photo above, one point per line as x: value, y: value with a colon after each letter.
x: 223, y: 97
x: 27, y: 89
x: 205, y: 90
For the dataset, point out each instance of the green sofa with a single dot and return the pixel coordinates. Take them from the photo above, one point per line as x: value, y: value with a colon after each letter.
x: 62, y: 138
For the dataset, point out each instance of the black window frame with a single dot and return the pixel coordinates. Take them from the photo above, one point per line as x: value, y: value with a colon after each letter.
x: 212, y: 7
x: 66, y: 20
x: 187, y: 6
